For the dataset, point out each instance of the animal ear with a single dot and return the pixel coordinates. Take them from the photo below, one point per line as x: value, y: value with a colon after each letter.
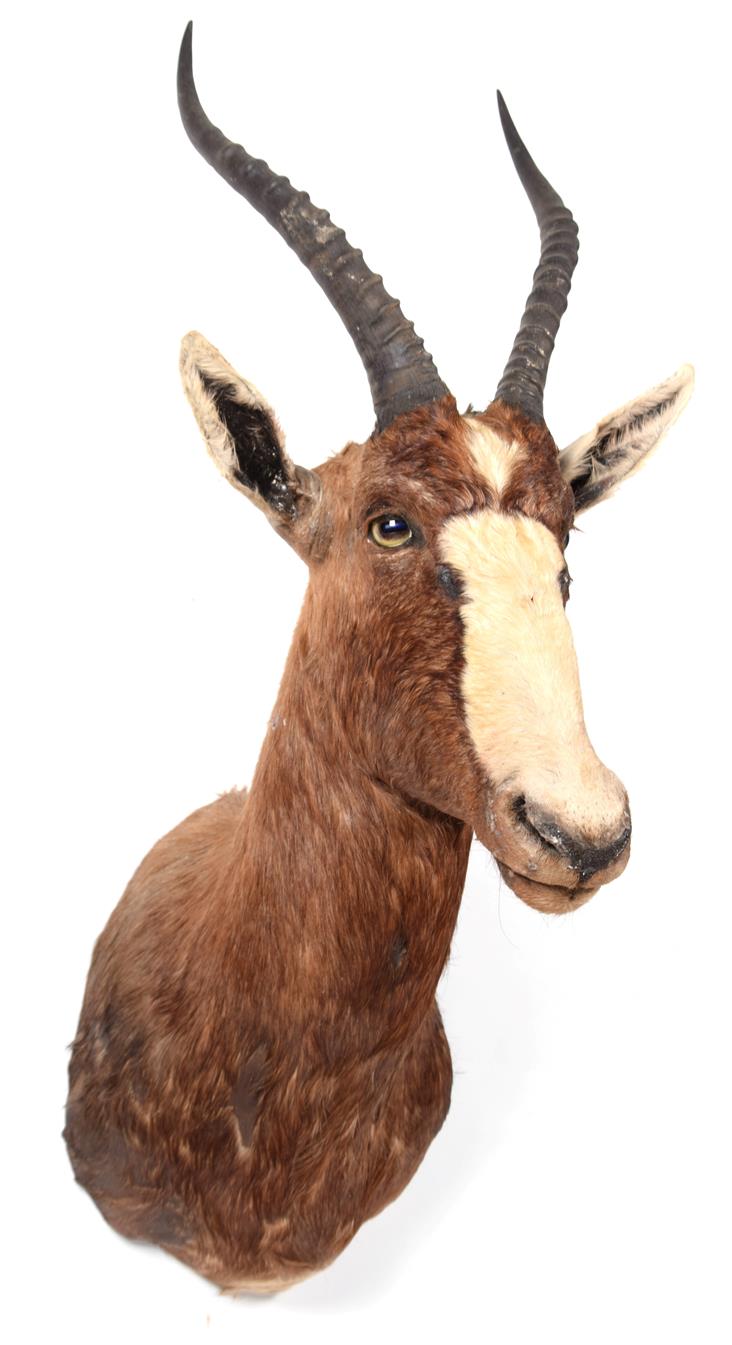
x: 597, y: 462
x: 246, y: 443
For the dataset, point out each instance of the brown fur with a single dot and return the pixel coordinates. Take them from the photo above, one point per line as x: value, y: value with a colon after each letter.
x: 260, y: 1063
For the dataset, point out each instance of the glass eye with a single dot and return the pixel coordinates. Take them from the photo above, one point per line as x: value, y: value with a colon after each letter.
x: 391, y: 530
x: 565, y: 579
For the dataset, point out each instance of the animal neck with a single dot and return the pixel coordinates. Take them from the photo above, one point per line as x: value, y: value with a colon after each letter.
x: 350, y: 890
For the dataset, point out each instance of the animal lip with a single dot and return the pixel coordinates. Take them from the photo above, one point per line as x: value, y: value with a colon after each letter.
x: 552, y: 898
x: 569, y: 889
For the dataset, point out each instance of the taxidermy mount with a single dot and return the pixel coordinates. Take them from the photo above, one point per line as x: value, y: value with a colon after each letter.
x: 260, y: 1063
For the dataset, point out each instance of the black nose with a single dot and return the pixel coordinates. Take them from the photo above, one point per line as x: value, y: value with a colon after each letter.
x: 586, y: 859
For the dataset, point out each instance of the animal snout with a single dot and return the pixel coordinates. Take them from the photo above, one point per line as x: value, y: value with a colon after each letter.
x: 584, y: 857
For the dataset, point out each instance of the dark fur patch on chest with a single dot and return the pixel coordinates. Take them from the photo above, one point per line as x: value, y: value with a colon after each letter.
x: 398, y: 954
x: 247, y: 1092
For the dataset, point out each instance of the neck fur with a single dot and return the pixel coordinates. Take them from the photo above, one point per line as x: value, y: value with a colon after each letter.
x: 351, y: 890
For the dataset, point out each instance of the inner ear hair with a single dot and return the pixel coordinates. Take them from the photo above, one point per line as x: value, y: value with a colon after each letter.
x: 239, y: 428
x: 259, y: 462
x: 596, y: 463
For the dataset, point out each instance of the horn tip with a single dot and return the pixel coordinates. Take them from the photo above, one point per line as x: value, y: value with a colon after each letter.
x: 187, y: 97
x: 513, y: 139
x: 185, y: 57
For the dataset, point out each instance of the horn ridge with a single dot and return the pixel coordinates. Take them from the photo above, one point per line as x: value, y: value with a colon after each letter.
x: 524, y: 376
x: 401, y: 373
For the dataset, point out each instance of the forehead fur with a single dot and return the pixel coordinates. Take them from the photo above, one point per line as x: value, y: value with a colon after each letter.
x: 440, y: 463
x: 424, y: 454
x: 450, y: 464
x: 535, y: 485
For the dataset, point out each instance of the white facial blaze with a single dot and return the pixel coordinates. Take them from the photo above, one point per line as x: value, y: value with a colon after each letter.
x: 520, y: 683
x: 495, y: 458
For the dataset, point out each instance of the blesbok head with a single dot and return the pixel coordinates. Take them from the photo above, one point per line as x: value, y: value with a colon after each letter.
x: 437, y: 650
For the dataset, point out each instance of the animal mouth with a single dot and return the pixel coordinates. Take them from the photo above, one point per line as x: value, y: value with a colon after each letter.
x: 544, y: 863
x: 552, y: 898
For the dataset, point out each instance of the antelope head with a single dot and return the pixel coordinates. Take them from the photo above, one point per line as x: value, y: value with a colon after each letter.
x: 439, y: 652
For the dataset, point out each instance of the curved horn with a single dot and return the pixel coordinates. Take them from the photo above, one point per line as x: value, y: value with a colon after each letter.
x: 524, y: 377
x: 401, y: 373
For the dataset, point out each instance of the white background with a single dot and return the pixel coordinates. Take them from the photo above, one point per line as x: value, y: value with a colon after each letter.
x: 580, y: 1189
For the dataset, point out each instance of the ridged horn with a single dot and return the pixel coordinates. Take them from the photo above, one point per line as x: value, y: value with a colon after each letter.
x: 401, y: 373
x: 524, y: 377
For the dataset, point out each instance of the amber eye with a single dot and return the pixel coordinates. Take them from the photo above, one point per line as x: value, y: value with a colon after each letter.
x: 390, y: 530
